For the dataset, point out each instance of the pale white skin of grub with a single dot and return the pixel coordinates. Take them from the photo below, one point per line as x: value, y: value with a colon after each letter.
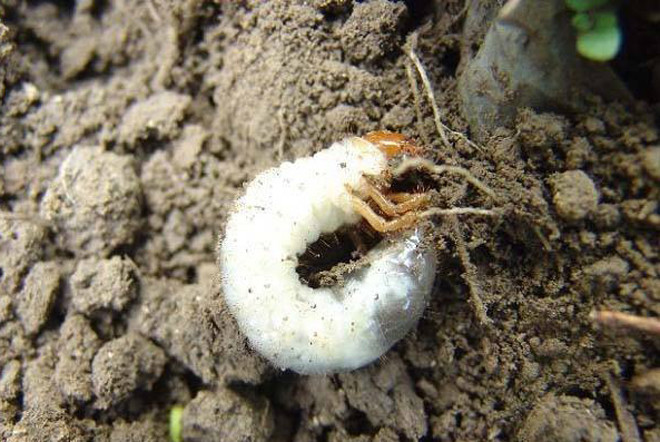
x: 322, y: 330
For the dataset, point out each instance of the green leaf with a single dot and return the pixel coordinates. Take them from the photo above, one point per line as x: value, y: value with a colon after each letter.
x: 585, y: 5
x: 605, y: 19
x: 583, y: 22
x: 176, y: 419
x: 603, y: 41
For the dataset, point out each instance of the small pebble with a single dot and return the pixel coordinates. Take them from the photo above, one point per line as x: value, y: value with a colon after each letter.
x: 123, y: 366
x: 103, y: 284
x: 36, y: 299
x: 95, y: 203
x: 574, y: 195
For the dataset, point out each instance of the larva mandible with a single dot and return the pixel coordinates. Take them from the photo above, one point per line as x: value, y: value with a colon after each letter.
x: 283, y: 210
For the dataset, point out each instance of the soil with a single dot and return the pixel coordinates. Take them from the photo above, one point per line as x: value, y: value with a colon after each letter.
x: 129, y: 128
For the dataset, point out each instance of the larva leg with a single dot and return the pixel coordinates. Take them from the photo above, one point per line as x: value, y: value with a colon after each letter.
x: 401, y: 197
x: 403, y: 202
x: 407, y: 202
x: 379, y: 223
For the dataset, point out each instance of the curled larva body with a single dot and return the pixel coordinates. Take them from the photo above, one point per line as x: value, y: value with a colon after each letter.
x: 327, y: 329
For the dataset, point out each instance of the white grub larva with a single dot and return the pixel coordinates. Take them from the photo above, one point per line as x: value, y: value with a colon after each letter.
x: 284, y: 210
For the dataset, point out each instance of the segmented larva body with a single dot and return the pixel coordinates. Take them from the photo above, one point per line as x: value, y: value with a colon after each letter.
x: 327, y: 329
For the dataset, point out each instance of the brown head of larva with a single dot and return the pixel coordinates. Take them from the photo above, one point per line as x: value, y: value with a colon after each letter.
x: 392, y: 143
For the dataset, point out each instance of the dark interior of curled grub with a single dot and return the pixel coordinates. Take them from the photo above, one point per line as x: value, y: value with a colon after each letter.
x: 412, y: 181
x: 325, y: 261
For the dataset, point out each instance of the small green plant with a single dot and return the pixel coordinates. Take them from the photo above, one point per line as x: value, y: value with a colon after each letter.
x: 176, y: 417
x: 598, y: 33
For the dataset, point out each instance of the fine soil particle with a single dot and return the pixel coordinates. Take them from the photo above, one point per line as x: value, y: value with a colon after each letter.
x: 35, y: 300
x: 567, y: 418
x: 386, y: 396
x: 373, y: 30
x: 146, y: 430
x: 123, y: 366
x: 103, y: 284
x: 77, y: 346
x: 94, y: 203
x: 154, y: 118
x: 574, y: 195
x: 225, y: 415
x: 10, y: 381
x: 651, y: 161
x: 190, y: 323
x: 128, y: 130
x: 21, y: 246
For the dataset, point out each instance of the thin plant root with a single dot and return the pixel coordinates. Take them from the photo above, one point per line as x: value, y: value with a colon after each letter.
x: 470, y: 275
x: 440, y: 126
x: 439, y: 169
x: 625, y: 419
x: 542, y: 239
x: 458, y: 17
x: 416, y: 99
x: 623, y: 320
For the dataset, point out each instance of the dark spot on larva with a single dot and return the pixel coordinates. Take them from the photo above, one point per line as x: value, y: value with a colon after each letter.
x: 249, y: 290
x: 342, y: 165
